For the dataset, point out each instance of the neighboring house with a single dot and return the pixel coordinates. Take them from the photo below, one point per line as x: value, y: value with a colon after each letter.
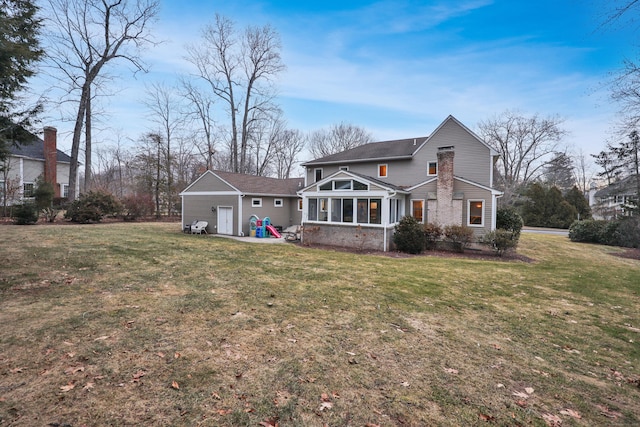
x: 26, y: 163
x: 228, y: 200
x: 610, y: 202
x: 356, y: 197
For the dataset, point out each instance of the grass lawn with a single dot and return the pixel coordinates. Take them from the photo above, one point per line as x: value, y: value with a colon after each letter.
x: 139, y: 324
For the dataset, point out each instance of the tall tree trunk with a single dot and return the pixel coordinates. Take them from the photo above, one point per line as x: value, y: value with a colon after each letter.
x: 75, y: 145
x: 88, y: 149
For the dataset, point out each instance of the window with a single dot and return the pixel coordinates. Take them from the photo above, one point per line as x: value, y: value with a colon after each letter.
x: 344, y: 168
x: 323, y: 209
x: 347, y: 210
x: 64, y: 192
x: 342, y: 185
x: 318, y: 174
x: 313, y: 210
x: 327, y: 186
x: 475, y: 209
x: 256, y: 203
x: 432, y: 168
x: 369, y: 211
x: 277, y: 203
x: 394, y: 211
x: 357, y: 185
x: 299, y: 205
x: 27, y: 190
x: 336, y: 210
x: 382, y: 171
x: 417, y: 210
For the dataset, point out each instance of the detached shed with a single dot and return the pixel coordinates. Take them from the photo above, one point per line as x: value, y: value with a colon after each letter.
x: 227, y: 201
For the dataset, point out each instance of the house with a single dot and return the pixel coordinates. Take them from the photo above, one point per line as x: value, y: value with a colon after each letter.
x: 613, y: 200
x: 228, y: 200
x: 356, y: 197
x: 26, y: 163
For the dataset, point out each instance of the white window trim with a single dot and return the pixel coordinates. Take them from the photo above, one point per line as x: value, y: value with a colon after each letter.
x: 424, y: 208
x: 278, y: 203
x: 432, y: 174
x: 315, y: 174
x: 256, y: 202
x: 469, y: 202
x: 386, y: 168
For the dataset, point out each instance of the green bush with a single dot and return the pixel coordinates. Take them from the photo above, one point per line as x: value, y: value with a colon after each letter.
x: 509, y: 219
x: 92, y: 207
x: 628, y: 232
x: 432, y: 233
x: 501, y: 240
x: 460, y: 236
x: 26, y: 213
x: 409, y: 236
x: 589, y: 231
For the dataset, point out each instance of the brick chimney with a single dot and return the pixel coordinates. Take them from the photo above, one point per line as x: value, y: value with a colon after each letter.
x: 448, y: 210
x: 51, y: 158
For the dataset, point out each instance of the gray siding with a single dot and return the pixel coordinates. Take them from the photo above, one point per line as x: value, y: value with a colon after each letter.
x: 472, y: 160
x: 199, y: 208
x: 283, y: 216
x: 210, y: 182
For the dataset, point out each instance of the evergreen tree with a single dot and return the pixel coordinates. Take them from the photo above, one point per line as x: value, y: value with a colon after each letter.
x: 576, y: 199
x: 545, y: 207
x: 559, y: 172
x: 19, y: 52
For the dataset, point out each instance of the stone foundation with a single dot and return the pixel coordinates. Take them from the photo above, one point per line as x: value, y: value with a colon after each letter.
x: 347, y: 236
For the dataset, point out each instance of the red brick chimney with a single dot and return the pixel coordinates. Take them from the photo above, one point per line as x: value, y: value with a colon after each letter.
x: 51, y: 158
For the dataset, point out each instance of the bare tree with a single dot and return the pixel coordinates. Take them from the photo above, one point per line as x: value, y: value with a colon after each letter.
x: 289, y: 146
x: 87, y: 35
x: 583, y: 171
x: 337, y: 138
x: 238, y: 69
x: 164, y: 105
x: 525, y: 145
x: 200, y: 111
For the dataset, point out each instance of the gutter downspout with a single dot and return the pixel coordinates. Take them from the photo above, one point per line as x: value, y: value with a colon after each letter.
x: 240, y: 232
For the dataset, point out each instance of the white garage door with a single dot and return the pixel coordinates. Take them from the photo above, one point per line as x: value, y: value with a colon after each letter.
x: 225, y: 220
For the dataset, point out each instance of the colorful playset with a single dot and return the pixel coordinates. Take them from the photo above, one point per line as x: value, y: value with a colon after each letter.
x: 261, y: 228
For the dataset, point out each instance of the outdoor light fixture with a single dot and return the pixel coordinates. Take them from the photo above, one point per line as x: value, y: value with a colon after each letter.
x: 213, y: 209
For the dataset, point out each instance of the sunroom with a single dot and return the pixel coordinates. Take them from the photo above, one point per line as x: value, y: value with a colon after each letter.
x: 352, y: 210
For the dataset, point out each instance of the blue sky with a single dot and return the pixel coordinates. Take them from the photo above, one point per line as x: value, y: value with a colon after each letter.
x: 398, y: 68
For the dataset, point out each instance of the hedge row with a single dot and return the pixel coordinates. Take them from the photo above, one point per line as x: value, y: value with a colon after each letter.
x: 623, y: 232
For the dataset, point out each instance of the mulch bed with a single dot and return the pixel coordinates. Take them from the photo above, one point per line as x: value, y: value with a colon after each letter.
x: 477, y: 254
x: 630, y: 253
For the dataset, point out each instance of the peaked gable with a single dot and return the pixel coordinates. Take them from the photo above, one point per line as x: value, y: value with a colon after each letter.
x: 245, y: 184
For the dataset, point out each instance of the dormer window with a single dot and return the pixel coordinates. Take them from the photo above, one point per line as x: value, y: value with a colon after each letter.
x: 432, y: 169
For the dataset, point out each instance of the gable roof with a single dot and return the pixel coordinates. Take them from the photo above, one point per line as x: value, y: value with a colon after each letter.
x: 384, y: 150
x: 380, y: 183
x: 391, y: 150
x: 256, y: 185
x: 35, y: 150
x: 626, y: 186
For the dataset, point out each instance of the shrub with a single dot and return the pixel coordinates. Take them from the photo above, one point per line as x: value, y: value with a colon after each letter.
x: 136, y: 206
x: 25, y: 213
x: 589, y: 231
x: 92, y: 207
x: 509, y: 219
x: 409, y: 236
x: 460, y: 236
x: 628, y: 232
x: 501, y: 240
x: 432, y: 233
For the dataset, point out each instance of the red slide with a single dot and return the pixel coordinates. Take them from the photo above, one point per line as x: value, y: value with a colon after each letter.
x: 273, y: 231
